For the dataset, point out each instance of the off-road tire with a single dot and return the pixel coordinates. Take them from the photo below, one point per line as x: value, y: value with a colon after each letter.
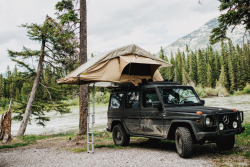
x: 225, y: 142
x: 183, y: 142
x: 120, y: 137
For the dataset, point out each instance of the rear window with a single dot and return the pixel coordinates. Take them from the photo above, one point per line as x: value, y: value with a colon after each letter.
x: 116, y: 100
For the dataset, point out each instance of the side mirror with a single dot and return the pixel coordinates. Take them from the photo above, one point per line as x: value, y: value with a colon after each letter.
x: 203, y: 102
x: 156, y: 104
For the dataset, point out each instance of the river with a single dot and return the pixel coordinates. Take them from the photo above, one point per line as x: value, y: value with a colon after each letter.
x: 69, y: 122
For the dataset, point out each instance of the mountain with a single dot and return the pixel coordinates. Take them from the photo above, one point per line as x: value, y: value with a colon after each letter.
x: 200, y: 38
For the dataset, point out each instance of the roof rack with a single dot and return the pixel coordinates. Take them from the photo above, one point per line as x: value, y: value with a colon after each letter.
x: 164, y: 83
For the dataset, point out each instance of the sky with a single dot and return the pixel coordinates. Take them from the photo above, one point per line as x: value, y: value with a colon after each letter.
x: 110, y: 23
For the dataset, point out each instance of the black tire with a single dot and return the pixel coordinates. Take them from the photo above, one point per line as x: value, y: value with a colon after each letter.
x: 120, y: 137
x: 183, y: 142
x: 225, y: 142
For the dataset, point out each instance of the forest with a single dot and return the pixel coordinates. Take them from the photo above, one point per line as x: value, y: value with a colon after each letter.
x: 227, y: 70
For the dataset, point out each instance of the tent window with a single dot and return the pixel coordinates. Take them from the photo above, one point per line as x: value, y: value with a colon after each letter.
x: 116, y: 100
x: 137, y: 69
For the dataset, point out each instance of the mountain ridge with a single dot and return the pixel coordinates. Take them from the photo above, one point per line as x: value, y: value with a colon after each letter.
x: 199, y: 39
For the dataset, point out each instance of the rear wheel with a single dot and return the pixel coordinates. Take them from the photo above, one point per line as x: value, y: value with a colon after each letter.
x: 183, y: 142
x: 225, y: 142
x: 120, y: 137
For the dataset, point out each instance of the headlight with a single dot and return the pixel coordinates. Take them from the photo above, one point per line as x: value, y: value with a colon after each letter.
x: 208, y: 121
x: 235, y: 125
x: 221, y: 126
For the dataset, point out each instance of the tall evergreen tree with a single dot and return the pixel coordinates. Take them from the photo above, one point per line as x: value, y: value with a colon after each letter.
x: 57, y: 44
x: 202, y: 75
x: 172, y: 68
x: 209, y: 76
x: 222, y: 79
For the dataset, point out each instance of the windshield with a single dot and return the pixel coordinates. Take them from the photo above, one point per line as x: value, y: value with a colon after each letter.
x: 179, y: 96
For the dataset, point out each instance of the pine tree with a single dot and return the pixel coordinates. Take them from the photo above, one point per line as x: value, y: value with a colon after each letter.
x: 209, y: 76
x: 202, y: 75
x: 224, y: 63
x: 172, y: 68
x: 57, y: 45
x: 237, y: 12
x: 1, y: 86
x: 217, y: 66
x: 222, y: 79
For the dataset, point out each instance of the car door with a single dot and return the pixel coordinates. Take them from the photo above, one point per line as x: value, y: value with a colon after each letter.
x: 132, y: 111
x: 115, y: 110
x: 151, y: 118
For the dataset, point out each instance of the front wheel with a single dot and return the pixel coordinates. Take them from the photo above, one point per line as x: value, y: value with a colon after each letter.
x: 225, y: 142
x: 183, y: 142
x: 120, y: 137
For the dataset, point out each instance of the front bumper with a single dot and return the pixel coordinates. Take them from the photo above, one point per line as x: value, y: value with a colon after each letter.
x: 208, y: 135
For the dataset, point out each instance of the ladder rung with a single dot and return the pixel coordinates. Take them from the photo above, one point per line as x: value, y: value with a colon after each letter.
x: 90, y: 142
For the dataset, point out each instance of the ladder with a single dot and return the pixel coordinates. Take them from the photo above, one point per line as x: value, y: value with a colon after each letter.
x: 90, y: 122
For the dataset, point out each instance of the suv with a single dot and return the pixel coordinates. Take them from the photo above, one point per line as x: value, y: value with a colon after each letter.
x: 168, y: 110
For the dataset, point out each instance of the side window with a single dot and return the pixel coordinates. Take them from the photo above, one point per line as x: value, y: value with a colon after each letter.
x: 116, y: 100
x: 148, y: 97
x: 132, y: 100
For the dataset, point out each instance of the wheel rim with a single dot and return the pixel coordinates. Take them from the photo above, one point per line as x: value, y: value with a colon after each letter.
x: 179, y: 143
x: 118, y: 135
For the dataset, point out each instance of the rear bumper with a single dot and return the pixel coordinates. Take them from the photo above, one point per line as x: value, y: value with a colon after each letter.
x: 207, y: 135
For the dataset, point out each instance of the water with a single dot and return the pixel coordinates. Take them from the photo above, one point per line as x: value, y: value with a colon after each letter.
x: 241, y: 103
x: 63, y: 123
x: 69, y: 122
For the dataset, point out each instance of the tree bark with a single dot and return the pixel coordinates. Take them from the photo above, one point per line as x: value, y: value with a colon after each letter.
x: 5, y: 125
x: 33, y: 93
x: 83, y: 93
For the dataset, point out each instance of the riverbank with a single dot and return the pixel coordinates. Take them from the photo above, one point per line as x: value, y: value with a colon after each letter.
x: 44, y: 148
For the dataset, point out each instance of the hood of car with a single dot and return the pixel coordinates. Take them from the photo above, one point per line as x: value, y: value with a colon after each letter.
x: 203, y: 109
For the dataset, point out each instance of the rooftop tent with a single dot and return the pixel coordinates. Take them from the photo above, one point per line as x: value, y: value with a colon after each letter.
x: 127, y: 64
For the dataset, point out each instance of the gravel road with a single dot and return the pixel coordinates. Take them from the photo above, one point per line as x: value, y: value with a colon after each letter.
x: 139, y: 157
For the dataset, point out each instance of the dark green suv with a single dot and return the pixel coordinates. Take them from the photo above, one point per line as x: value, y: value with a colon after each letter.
x: 168, y: 110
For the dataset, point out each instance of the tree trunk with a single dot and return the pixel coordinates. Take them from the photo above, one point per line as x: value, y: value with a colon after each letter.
x: 33, y: 92
x: 83, y: 96
x: 5, y: 125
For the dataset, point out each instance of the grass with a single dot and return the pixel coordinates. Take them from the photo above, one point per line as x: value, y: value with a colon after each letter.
x: 243, y: 139
x: 246, y: 90
x: 32, y: 139
x: 14, y: 145
x: 237, y: 156
x: 207, y: 92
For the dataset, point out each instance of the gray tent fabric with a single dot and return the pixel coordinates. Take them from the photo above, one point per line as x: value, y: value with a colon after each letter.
x: 126, y: 64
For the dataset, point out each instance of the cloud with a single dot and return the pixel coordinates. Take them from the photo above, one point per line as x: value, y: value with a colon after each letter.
x: 111, y: 24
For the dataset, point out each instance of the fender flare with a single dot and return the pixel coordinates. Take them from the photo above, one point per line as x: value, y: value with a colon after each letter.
x: 177, y: 123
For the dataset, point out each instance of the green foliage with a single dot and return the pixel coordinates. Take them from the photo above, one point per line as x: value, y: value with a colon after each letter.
x: 237, y: 12
x: 67, y: 8
x: 246, y: 90
x: 208, y: 91
x: 202, y: 68
x: 14, y: 145
x: 227, y: 71
x: 244, y: 138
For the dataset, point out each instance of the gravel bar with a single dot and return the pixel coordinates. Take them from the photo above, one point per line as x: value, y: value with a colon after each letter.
x: 139, y: 157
